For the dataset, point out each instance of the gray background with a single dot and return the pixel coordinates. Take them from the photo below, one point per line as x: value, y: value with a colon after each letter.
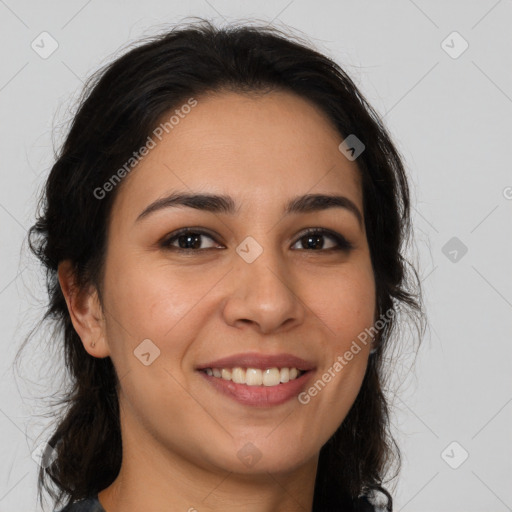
x: 450, y: 118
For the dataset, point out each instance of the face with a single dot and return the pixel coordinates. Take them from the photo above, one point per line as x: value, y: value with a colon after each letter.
x: 245, y: 280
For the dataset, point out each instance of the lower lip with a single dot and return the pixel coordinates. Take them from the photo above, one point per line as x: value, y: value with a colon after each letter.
x: 259, y: 396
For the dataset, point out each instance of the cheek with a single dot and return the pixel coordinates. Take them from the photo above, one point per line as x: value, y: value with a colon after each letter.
x: 345, y: 302
x: 346, y: 308
x: 151, y: 301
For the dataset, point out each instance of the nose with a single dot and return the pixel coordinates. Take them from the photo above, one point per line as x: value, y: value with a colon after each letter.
x: 263, y: 294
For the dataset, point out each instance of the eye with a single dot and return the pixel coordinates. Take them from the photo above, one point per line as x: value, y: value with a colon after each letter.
x: 312, y: 239
x: 188, y: 239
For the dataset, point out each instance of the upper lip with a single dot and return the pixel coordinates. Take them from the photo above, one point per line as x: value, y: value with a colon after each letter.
x: 261, y: 361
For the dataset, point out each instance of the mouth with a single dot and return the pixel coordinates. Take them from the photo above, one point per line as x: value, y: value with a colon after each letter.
x: 259, y: 396
x: 259, y: 380
x: 255, y: 360
x: 268, y: 377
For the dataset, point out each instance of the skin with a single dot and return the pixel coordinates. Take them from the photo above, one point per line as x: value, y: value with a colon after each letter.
x: 180, y: 436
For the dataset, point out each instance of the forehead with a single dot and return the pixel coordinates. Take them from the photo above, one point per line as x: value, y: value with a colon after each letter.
x: 260, y: 149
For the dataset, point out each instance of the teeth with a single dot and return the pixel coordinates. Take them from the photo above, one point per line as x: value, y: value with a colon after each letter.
x: 238, y: 375
x: 255, y: 376
x: 271, y: 377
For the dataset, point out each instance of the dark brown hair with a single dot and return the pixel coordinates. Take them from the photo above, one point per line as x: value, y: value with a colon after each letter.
x: 120, y: 106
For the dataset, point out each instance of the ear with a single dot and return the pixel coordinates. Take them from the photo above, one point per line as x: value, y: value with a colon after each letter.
x: 85, y: 311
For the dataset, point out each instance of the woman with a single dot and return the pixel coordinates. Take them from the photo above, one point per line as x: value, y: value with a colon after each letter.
x: 223, y: 234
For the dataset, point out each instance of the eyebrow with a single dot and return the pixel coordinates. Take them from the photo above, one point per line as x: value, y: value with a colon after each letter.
x: 225, y: 204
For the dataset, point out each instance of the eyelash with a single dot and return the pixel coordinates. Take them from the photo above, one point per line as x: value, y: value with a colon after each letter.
x: 342, y: 243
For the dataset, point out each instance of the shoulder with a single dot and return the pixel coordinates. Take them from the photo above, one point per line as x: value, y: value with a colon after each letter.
x: 361, y: 504
x: 88, y: 505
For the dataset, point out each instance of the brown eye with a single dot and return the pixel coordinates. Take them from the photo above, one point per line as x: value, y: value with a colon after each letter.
x: 188, y: 240
x: 313, y: 239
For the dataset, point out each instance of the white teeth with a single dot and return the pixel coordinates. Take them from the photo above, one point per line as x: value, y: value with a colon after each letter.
x: 271, y: 377
x: 238, y: 375
x: 255, y: 376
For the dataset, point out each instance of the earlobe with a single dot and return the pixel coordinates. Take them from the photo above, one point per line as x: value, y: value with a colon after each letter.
x: 85, y: 311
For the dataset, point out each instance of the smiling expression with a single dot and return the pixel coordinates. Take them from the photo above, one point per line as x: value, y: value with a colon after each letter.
x: 245, y: 175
